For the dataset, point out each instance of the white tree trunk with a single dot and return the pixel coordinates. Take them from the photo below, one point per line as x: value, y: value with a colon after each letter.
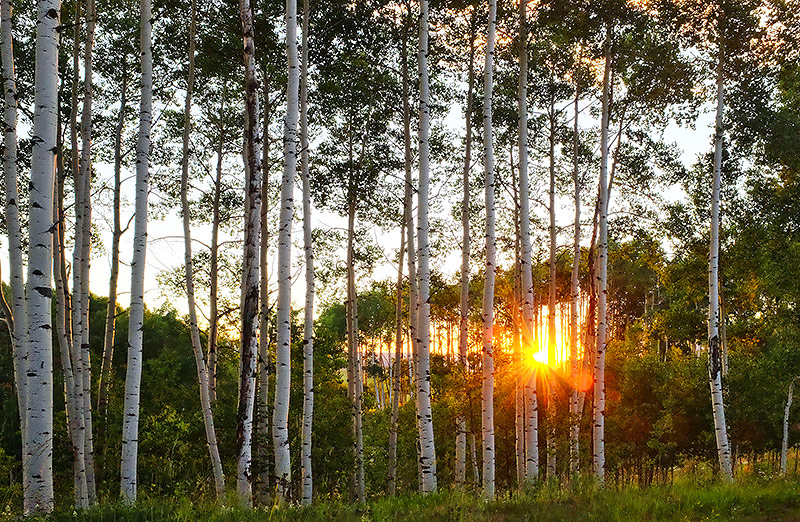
x: 551, y: 303
x: 602, y: 280
x: 38, y: 443
x: 85, y: 253
x: 395, y: 374
x: 410, y: 248
x: 264, y: 366
x: 81, y: 493
x: 250, y: 268
x: 785, y: 440
x: 63, y: 326
x: 133, y: 377
x: 16, y: 268
x: 714, y: 345
x: 111, y: 308
x: 213, y: 312
x: 280, y: 434
x: 308, y: 248
x: 354, y: 361
x: 428, y: 450
x: 574, y: 423
x: 529, y: 392
x: 197, y: 347
x: 487, y: 390
x: 463, y: 328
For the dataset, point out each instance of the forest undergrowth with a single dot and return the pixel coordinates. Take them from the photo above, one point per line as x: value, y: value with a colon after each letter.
x: 750, y: 498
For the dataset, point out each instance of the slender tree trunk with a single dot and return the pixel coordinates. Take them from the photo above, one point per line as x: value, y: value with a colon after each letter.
x: 463, y: 329
x: 86, y: 177
x: 354, y: 360
x: 428, y: 453
x: 264, y: 366
x: 551, y: 302
x: 38, y: 443
x: 63, y: 325
x: 516, y: 340
x: 197, y: 347
x: 785, y: 440
x: 487, y: 391
x: 133, y: 377
x: 308, y: 313
x: 280, y: 433
x: 598, y: 446
x: 111, y: 308
x: 526, y: 275
x: 17, y: 316
x: 574, y: 425
x: 250, y: 271
x: 396, y: 374
x: 714, y: 355
x: 81, y: 492
x: 16, y: 281
x: 214, y: 272
x: 410, y: 227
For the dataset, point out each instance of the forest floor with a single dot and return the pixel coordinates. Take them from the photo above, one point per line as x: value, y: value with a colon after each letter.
x: 764, y: 499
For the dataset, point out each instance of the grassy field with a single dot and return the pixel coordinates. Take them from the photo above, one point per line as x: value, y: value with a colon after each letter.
x: 764, y: 499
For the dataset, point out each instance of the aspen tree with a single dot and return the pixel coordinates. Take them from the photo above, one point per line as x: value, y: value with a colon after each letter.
x: 77, y: 315
x: 396, y: 374
x: 427, y: 456
x: 280, y: 433
x: 529, y: 392
x: 250, y: 269
x: 133, y: 377
x: 574, y: 424
x: 113, y: 279
x: 461, y: 423
x: 194, y: 331
x: 714, y: 344
x: 38, y: 443
x: 308, y: 249
x: 598, y: 416
x: 487, y: 390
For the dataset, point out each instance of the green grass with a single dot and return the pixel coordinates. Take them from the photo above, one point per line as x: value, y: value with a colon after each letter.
x: 748, y: 500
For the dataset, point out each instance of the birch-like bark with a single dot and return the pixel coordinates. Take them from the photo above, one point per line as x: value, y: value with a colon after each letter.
x: 785, y: 440
x: 308, y: 249
x: 63, y: 325
x: 280, y: 433
x: 213, y: 312
x: 529, y: 392
x: 574, y: 423
x: 250, y: 271
x: 410, y: 227
x: 194, y: 330
x: 81, y: 493
x: 133, y: 377
x: 15, y: 267
x: 427, y: 456
x: 551, y: 301
x: 38, y: 443
x: 264, y: 367
x: 354, y: 359
x: 487, y: 390
x: 85, y: 254
x: 598, y: 416
x: 463, y: 328
x: 396, y: 374
x: 714, y: 355
x: 111, y: 307
x: 516, y: 341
